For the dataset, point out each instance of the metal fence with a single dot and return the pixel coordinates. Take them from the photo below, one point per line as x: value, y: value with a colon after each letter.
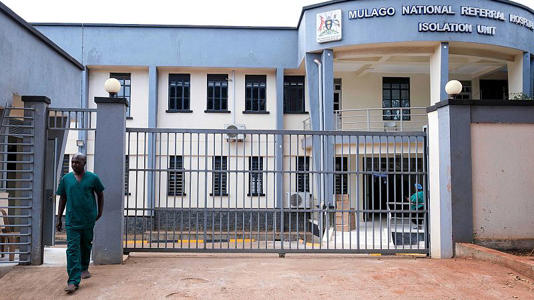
x: 16, y: 183
x: 275, y: 191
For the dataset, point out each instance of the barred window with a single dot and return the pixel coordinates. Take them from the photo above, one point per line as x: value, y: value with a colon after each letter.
x: 126, y: 175
x: 341, y: 180
x: 395, y: 93
x: 466, y: 93
x: 65, y: 165
x: 255, y: 179
x: 179, y: 85
x: 337, y: 94
x: 217, y: 92
x: 175, y: 177
x: 294, y: 94
x: 255, y: 93
x: 303, y: 177
x: 220, y: 176
x: 126, y: 88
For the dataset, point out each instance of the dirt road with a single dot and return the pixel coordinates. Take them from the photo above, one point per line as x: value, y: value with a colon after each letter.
x: 236, y: 276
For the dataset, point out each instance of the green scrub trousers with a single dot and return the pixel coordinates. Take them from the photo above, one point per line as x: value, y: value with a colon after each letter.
x: 79, y: 244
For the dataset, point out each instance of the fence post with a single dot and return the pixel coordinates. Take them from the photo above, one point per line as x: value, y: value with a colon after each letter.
x: 40, y: 106
x: 109, y: 166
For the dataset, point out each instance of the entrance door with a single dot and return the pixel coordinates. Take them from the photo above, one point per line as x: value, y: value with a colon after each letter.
x: 493, y: 89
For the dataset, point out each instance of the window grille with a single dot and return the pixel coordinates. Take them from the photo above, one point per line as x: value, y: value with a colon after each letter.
x: 220, y: 177
x: 255, y: 93
x: 255, y: 176
x: 341, y: 180
x: 65, y: 165
x: 395, y: 93
x: 294, y: 94
x: 175, y: 177
x: 126, y: 88
x: 303, y: 178
x: 217, y: 92
x: 179, y: 85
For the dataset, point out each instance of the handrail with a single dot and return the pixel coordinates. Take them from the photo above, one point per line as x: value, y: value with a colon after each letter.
x: 378, y: 119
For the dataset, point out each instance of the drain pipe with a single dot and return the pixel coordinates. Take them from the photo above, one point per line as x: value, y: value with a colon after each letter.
x: 321, y: 127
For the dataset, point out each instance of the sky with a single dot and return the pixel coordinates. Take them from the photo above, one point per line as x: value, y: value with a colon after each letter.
x: 177, y: 12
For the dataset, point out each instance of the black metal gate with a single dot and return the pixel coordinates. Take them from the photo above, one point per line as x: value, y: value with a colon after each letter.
x: 276, y: 191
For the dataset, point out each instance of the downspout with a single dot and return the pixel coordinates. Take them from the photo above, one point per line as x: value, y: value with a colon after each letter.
x: 321, y: 119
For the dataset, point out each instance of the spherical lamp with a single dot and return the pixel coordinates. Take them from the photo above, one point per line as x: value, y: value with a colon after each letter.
x: 453, y: 87
x: 112, y: 86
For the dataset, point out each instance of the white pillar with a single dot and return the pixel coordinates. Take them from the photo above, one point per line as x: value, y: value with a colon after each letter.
x: 515, y: 76
x: 439, y: 73
x: 440, y: 206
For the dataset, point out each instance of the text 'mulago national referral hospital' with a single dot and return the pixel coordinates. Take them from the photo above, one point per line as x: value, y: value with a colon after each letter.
x: 469, y: 11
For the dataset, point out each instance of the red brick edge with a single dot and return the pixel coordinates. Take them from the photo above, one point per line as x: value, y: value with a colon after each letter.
x: 522, y: 265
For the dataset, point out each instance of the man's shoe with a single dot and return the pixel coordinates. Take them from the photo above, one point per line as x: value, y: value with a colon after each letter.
x: 71, y: 288
x: 86, y: 274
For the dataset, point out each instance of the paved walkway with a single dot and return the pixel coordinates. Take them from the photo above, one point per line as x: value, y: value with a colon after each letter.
x: 265, y: 276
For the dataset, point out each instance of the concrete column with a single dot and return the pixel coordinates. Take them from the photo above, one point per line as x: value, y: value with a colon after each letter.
x: 312, y: 90
x: 527, y: 79
x: 279, y: 141
x: 440, y: 209
x: 40, y: 106
x: 152, y: 123
x: 109, y: 165
x: 532, y: 76
x: 518, y: 75
x: 327, y: 81
x: 439, y: 73
x: 450, y: 201
x: 84, y: 103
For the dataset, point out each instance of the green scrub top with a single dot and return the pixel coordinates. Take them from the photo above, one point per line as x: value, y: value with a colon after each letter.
x: 81, y: 205
x: 417, y: 201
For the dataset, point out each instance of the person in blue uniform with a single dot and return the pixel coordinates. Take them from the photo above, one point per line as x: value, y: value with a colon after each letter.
x: 77, y: 191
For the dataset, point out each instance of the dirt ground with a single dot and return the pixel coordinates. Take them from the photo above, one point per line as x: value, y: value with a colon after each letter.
x: 265, y: 276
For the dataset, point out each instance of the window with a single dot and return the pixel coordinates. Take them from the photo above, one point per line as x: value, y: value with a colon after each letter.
x: 220, y: 176
x: 293, y: 94
x: 126, y: 88
x: 126, y: 175
x: 337, y: 94
x: 255, y: 179
x: 179, y: 92
x: 303, y: 177
x: 395, y: 93
x: 217, y: 93
x: 175, y: 177
x: 341, y: 180
x: 465, y: 94
x: 65, y: 165
x: 255, y: 87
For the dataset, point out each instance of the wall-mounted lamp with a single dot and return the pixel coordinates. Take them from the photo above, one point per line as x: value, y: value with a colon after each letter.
x: 112, y: 86
x: 453, y: 88
x: 80, y: 143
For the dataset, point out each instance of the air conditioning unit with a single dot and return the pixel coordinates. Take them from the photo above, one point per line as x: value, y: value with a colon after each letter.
x: 299, y: 200
x: 235, y: 137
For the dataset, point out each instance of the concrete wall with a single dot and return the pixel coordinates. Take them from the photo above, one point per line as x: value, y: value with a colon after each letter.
x: 30, y: 66
x: 503, y: 183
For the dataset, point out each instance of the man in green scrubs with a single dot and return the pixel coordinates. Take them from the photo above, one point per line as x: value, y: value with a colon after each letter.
x: 77, y: 191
